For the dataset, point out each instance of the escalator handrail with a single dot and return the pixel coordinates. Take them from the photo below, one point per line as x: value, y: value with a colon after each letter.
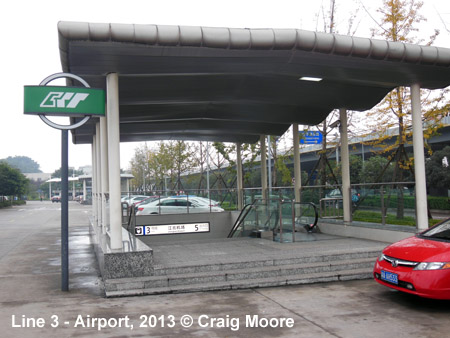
x: 316, y: 213
x: 244, y: 212
x: 246, y: 209
x: 132, y: 214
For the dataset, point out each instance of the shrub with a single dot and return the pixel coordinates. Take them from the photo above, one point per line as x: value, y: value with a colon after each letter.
x: 5, y: 204
x: 439, y: 203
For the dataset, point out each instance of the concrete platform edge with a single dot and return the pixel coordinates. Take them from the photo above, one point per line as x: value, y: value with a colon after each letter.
x: 382, y: 235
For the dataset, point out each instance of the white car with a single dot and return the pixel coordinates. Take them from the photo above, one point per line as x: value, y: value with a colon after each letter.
x: 176, y: 205
x: 130, y: 199
x: 136, y: 199
x: 202, y: 200
x: 146, y: 200
x: 125, y: 198
x: 206, y: 200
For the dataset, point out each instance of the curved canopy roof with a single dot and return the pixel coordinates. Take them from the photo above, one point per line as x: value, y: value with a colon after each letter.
x: 226, y: 84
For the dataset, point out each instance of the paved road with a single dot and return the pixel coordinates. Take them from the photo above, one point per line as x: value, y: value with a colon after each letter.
x: 30, y: 289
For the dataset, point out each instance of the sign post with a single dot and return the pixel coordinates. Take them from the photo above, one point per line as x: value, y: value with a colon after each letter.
x: 84, y: 102
x: 64, y: 210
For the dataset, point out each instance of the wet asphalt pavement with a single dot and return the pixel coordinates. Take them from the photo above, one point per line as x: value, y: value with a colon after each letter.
x: 33, y: 305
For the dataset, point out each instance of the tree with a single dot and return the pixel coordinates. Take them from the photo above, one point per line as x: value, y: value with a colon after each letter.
x: 139, y: 167
x: 328, y: 129
x: 170, y: 159
x: 373, y: 170
x: 399, y: 19
x: 438, y: 170
x: 356, y: 165
x: 201, y: 158
x: 281, y: 175
x: 72, y: 172
x: 219, y: 159
x: 329, y: 21
x: 161, y: 164
x: 348, y: 20
x: 183, y: 160
x: 12, y: 181
x: 23, y: 163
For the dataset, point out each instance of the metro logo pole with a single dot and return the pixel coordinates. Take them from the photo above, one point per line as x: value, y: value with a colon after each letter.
x: 83, y: 102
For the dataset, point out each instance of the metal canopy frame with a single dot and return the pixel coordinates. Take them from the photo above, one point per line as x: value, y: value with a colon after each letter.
x: 222, y: 84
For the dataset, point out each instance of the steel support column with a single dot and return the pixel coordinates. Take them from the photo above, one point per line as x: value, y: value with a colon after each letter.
x: 345, y: 163
x: 104, y: 171
x: 297, y: 168
x: 262, y: 141
x: 98, y: 173
x: 84, y: 189
x: 419, y: 159
x: 115, y: 208
x: 239, y: 176
x: 94, y: 181
x: 73, y: 186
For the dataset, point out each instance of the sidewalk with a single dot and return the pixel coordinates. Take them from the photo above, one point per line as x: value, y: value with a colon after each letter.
x: 30, y: 289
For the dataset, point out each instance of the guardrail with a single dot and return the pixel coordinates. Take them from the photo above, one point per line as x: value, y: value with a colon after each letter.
x: 378, y: 198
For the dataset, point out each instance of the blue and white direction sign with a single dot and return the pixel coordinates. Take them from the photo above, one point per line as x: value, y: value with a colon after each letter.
x: 169, y: 229
x: 310, y: 137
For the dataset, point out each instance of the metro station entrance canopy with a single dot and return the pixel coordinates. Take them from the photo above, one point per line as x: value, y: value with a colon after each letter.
x: 234, y: 85
x: 221, y: 84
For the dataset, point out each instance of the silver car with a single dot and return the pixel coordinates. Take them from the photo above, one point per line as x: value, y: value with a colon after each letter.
x: 176, y: 205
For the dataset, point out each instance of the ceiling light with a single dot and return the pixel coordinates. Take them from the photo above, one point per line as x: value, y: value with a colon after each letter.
x: 307, y: 78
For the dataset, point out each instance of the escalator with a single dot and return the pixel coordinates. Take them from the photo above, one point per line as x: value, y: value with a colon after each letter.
x: 275, y: 219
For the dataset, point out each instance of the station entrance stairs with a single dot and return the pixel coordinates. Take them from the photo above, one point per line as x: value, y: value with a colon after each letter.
x: 274, y: 243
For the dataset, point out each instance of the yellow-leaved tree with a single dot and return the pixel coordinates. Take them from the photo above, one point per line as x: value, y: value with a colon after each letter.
x: 399, y: 22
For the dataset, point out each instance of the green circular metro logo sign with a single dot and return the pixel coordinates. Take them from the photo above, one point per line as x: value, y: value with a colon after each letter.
x: 64, y: 101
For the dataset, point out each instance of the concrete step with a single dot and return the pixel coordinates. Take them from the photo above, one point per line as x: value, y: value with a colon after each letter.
x: 296, y: 279
x: 249, y: 264
x: 237, y: 276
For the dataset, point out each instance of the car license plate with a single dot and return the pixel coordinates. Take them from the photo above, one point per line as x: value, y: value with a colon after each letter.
x: 389, y: 277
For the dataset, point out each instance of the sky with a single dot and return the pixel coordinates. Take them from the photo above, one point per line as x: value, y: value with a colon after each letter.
x: 30, y: 53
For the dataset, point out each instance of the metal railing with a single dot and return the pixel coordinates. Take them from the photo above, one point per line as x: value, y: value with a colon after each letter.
x: 382, y: 199
x: 391, y: 199
x: 225, y: 198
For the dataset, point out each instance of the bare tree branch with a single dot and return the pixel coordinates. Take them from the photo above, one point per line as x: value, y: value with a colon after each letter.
x: 368, y: 13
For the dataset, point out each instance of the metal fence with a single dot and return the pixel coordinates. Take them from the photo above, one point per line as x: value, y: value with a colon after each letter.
x: 371, y: 200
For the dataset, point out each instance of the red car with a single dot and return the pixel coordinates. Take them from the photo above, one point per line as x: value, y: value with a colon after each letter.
x: 419, y: 265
